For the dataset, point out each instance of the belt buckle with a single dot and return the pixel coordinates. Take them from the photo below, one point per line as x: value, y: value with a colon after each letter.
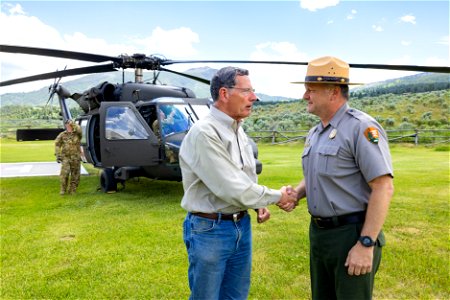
x: 317, y: 220
x: 235, y: 217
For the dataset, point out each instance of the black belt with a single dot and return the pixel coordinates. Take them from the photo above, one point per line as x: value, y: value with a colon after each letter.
x: 336, y: 221
x: 228, y: 217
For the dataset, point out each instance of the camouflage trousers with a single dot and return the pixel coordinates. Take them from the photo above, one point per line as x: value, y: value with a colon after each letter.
x: 171, y: 155
x: 70, y: 170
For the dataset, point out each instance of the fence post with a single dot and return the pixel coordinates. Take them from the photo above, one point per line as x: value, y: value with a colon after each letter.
x: 416, y: 138
x: 274, y: 136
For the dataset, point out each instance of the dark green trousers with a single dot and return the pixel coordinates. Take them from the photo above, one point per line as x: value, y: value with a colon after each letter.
x: 328, y: 251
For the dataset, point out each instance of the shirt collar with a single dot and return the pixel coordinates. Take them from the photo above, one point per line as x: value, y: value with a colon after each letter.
x: 225, y: 119
x: 338, y: 115
x: 336, y: 118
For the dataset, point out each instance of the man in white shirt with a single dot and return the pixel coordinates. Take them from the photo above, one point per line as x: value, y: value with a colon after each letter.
x: 220, y: 184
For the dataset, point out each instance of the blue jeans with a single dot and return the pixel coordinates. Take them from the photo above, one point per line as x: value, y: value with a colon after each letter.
x: 220, y: 257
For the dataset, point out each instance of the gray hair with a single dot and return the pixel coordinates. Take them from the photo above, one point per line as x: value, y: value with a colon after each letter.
x: 225, y: 77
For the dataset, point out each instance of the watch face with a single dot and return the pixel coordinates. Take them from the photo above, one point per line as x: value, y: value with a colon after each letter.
x: 367, y: 241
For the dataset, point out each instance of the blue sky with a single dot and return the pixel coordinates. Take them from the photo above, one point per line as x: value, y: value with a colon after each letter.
x: 377, y: 32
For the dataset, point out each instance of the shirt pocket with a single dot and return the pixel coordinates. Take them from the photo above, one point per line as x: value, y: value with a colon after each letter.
x: 328, y: 160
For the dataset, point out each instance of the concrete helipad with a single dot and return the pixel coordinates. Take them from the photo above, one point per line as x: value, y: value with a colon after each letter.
x: 32, y: 169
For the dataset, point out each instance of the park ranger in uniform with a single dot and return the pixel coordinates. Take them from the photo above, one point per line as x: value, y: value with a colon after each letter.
x: 67, y: 152
x: 348, y: 185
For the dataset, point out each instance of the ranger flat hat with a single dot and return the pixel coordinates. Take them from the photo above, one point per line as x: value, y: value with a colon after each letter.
x: 327, y: 69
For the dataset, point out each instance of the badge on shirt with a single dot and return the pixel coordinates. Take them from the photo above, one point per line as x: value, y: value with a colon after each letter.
x: 332, y: 134
x: 371, y: 134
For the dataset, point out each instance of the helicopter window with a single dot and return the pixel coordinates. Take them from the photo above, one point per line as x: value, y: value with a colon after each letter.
x: 121, y: 124
x: 83, y: 125
x: 178, y: 118
x: 172, y: 119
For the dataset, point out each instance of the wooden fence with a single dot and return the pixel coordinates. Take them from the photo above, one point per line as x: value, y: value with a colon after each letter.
x: 428, y: 137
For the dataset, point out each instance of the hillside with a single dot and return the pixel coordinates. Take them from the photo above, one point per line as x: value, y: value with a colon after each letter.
x: 422, y: 82
x: 387, y: 101
x: 428, y: 110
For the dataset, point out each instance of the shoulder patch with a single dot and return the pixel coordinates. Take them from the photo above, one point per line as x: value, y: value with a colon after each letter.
x: 372, y: 135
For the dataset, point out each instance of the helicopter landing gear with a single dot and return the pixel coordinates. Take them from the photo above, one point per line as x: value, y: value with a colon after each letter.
x: 108, y: 183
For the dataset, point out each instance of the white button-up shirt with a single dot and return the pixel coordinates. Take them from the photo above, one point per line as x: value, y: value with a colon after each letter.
x: 218, y: 168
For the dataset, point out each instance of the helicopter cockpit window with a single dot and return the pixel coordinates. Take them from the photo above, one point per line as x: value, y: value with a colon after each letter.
x: 172, y: 119
x: 121, y: 124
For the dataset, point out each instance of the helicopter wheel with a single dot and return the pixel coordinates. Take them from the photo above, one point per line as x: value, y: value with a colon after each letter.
x: 107, y: 181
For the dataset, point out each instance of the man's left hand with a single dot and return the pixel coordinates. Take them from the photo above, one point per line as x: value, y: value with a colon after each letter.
x: 263, y: 214
x: 359, y: 260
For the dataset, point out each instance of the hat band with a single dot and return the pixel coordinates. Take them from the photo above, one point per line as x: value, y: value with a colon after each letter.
x: 326, y: 79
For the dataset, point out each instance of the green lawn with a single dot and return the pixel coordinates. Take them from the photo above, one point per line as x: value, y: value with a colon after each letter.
x: 129, y: 244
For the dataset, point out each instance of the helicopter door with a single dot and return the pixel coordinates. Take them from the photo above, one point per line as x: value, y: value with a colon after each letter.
x: 125, y: 137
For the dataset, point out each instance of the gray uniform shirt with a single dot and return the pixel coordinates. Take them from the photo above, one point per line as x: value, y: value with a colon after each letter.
x: 339, y: 161
x: 218, y: 168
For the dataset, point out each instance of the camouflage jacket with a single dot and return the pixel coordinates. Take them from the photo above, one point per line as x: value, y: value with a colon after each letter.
x: 67, y: 144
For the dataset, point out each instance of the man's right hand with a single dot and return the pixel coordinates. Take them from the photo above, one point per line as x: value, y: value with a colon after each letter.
x: 288, y: 199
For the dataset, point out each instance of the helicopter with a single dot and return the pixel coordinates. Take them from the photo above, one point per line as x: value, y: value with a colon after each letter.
x: 118, y: 120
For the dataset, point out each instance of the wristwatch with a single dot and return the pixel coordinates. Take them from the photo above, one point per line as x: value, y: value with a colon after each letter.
x: 366, y: 241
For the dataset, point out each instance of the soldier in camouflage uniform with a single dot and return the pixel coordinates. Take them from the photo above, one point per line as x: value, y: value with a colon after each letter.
x: 67, y: 152
x: 167, y: 122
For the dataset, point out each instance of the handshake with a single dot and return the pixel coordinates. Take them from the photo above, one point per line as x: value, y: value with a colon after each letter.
x: 289, y: 199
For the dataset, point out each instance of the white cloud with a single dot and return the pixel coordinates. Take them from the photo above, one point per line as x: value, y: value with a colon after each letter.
x: 404, y: 60
x: 408, y: 19
x: 177, y: 42
x: 434, y: 61
x: 271, y: 79
x: 330, y: 22
x: 405, y: 43
x: 443, y: 40
x: 352, y: 15
x: 24, y: 30
x: 313, y: 5
x: 14, y: 9
x: 377, y: 28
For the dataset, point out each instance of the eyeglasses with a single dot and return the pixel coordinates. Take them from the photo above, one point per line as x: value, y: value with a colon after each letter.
x: 244, y: 90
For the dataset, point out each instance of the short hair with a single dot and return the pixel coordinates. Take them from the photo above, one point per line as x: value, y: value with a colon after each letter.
x: 225, y: 77
x: 343, y: 88
x: 345, y: 91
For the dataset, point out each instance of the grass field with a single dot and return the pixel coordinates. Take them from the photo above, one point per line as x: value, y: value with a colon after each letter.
x: 128, y: 245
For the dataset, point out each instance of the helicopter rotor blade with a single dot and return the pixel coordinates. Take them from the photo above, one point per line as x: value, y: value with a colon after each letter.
x: 416, y: 68
x: 52, y: 88
x: 187, y: 75
x: 155, y: 63
x: 64, y: 73
x: 57, y: 53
